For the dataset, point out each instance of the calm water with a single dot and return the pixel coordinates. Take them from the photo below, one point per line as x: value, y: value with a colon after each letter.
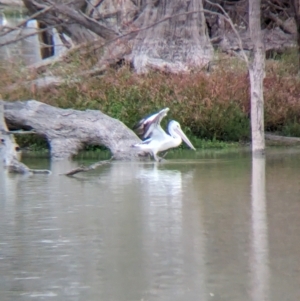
x: 213, y: 227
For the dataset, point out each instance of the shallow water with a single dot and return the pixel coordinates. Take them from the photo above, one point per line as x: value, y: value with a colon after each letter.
x: 208, y: 226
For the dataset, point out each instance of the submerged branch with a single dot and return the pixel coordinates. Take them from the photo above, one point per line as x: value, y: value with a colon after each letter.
x: 282, y: 139
x: 88, y: 168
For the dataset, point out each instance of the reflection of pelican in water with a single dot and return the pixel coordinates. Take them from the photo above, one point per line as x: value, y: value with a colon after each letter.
x: 162, y: 191
x: 155, y: 138
x: 163, y: 183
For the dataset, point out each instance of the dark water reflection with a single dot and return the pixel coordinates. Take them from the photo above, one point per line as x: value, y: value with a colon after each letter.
x: 213, y: 227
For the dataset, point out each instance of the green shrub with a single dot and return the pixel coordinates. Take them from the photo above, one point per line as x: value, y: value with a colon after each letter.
x: 209, y: 106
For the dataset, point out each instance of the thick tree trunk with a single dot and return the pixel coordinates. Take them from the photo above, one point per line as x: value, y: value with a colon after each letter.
x: 178, y: 44
x: 257, y: 73
x: 67, y: 130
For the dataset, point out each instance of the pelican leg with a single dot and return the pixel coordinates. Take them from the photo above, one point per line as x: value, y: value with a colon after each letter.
x: 159, y: 159
x: 156, y: 158
x: 164, y: 154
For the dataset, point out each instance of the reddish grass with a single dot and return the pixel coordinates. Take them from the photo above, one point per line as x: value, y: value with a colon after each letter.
x: 211, y: 105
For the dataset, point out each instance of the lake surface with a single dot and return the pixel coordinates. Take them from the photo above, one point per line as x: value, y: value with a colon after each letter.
x: 214, y: 226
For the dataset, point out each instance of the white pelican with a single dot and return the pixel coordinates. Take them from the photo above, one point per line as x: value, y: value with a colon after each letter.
x: 155, y: 138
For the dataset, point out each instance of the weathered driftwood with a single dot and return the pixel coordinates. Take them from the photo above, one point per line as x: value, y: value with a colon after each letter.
x: 68, y: 131
x: 10, y: 151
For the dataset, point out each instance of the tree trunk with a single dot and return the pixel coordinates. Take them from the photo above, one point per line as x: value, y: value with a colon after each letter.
x: 257, y: 73
x: 177, y: 44
x: 67, y: 131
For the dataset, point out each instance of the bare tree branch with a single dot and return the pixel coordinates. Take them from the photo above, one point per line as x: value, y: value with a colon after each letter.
x: 21, y: 24
x: 22, y: 37
x: 278, y: 21
x: 84, y: 20
x: 228, y: 19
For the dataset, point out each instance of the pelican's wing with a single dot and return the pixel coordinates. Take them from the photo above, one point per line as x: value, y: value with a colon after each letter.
x: 150, y: 125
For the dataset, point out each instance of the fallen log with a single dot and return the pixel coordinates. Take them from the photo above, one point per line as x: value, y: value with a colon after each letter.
x: 68, y: 131
x: 282, y: 139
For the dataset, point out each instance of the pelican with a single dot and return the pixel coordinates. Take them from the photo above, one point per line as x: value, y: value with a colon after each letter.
x: 156, y: 140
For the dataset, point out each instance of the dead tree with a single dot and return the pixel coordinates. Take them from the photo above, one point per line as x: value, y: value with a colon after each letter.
x: 257, y: 73
x: 68, y: 131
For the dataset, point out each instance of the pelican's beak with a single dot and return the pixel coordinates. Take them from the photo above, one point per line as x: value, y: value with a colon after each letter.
x: 184, y: 138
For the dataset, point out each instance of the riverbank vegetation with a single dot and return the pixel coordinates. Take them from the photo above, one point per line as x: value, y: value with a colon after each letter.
x: 213, y: 107
x: 133, y: 59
